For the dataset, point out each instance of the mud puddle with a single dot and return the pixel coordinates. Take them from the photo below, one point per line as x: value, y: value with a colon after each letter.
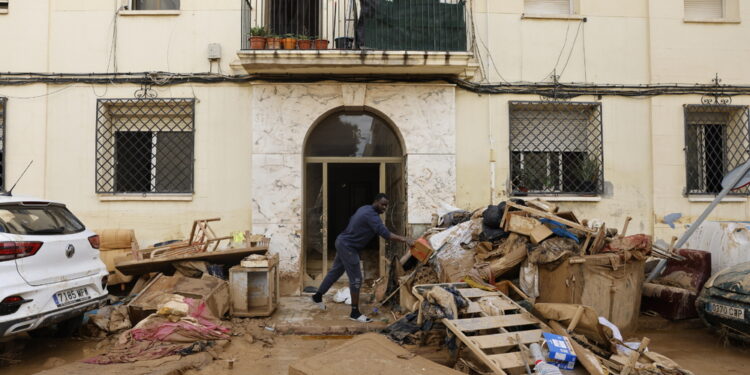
x: 694, y: 347
x: 23, y: 355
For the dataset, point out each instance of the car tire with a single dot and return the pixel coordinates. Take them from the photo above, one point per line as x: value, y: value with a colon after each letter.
x: 41, y: 333
x: 69, y: 327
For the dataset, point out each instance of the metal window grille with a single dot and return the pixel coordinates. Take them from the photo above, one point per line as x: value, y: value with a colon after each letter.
x: 145, y: 145
x: 3, y: 102
x: 716, y: 141
x: 556, y: 148
x: 398, y: 25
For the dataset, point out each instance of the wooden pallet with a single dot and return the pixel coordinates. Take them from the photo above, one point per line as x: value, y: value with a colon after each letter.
x: 500, y: 342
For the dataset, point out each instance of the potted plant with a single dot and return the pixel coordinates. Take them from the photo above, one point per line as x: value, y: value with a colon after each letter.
x: 273, y: 42
x: 304, y: 42
x: 258, y: 37
x: 587, y: 172
x: 289, y: 41
x: 320, y: 43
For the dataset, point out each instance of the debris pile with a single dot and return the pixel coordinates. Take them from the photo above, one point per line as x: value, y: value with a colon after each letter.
x: 581, y: 280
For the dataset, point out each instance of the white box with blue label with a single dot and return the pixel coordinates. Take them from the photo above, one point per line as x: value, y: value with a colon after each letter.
x: 561, y: 352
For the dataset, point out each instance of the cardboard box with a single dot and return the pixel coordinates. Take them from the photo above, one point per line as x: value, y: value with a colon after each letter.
x: 561, y: 353
x: 212, y: 290
x: 421, y: 250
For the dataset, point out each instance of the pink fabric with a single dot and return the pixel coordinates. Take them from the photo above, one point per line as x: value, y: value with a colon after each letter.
x: 157, y: 337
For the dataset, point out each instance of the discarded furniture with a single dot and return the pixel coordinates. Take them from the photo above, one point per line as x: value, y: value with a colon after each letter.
x: 594, y: 238
x: 116, y: 245
x: 213, y: 291
x: 227, y: 257
x: 603, y: 281
x: 498, y: 338
x: 254, y: 291
x: 368, y: 354
x: 673, y: 294
x: 202, y: 238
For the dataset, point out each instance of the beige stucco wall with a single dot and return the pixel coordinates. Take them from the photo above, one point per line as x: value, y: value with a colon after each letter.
x: 58, y: 133
x: 628, y: 42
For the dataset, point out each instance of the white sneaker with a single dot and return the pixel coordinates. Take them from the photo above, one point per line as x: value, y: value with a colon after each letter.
x: 362, y: 318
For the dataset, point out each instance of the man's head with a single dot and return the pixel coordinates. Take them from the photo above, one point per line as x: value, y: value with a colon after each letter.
x: 380, y: 203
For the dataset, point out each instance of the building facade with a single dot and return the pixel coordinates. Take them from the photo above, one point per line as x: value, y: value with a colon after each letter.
x: 148, y: 114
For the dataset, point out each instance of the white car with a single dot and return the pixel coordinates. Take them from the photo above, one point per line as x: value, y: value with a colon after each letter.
x: 50, y: 271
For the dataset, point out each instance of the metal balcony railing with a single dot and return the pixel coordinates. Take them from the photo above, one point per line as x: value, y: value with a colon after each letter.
x: 385, y: 25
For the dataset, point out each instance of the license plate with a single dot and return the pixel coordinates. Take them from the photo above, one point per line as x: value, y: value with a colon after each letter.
x: 71, y: 296
x: 727, y: 311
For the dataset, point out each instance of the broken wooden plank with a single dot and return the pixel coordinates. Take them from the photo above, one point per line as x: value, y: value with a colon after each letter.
x: 521, y: 224
x: 474, y: 293
x: 490, y: 322
x: 508, y: 360
x: 542, y: 205
x: 500, y: 340
x: 539, y: 234
x: 633, y: 358
x: 475, y: 307
x: 550, y: 216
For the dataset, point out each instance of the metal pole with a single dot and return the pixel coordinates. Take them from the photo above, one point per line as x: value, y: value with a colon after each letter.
x: 694, y: 226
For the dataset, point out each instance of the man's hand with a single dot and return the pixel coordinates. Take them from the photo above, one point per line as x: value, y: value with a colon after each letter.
x: 410, y: 241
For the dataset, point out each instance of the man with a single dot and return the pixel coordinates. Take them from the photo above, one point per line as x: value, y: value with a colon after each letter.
x: 363, y: 226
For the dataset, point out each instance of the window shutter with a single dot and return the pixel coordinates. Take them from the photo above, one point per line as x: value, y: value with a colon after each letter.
x: 547, y: 7
x: 704, y: 9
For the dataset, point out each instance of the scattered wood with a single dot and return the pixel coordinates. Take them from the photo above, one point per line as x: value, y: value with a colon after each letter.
x: 542, y: 205
x: 489, y: 337
x: 539, y: 234
x: 625, y: 226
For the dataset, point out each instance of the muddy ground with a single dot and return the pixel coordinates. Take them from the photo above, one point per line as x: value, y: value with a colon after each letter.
x: 259, y: 351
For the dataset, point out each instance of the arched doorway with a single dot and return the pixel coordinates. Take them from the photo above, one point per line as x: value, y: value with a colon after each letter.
x: 350, y: 156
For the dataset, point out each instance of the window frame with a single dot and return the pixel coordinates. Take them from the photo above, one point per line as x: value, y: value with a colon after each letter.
x: 742, y: 112
x: 105, y: 181
x: 572, y: 11
x: 132, y: 7
x: 597, y: 142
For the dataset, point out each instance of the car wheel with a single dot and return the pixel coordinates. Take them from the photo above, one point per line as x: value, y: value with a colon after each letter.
x: 69, y: 327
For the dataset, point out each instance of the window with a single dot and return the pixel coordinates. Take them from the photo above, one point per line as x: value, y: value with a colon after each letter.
x: 3, y: 102
x: 4, y: 5
x: 716, y: 141
x: 548, y: 7
x: 145, y: 146
x: 294, y: 17
x: 156, y: 5
x: 556, y: 148
x: 704, y: 9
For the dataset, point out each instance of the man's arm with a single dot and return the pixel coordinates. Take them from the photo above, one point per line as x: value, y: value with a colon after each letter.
x: 377, y: 225
x: 406, y: 240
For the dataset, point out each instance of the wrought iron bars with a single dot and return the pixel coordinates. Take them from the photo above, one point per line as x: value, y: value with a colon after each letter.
x: 145, y: 145
x: 556, y: 148
x: 716, y: 141
x: 417, y: 25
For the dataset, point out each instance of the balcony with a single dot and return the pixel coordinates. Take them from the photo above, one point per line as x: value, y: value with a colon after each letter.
x: 384, y: 37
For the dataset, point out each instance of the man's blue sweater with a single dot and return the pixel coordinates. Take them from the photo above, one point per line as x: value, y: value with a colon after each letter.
x: 363, y: 226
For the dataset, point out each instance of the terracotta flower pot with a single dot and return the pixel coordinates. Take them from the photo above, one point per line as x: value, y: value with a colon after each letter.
x: 273, y: 43
x: 289, y: 43
x: 257, y: 42
x: 321, y: 44
x: 305, y: 43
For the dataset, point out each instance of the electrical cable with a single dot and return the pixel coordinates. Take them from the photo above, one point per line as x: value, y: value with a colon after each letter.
x: 561, y: 90
x: 572, y: 48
